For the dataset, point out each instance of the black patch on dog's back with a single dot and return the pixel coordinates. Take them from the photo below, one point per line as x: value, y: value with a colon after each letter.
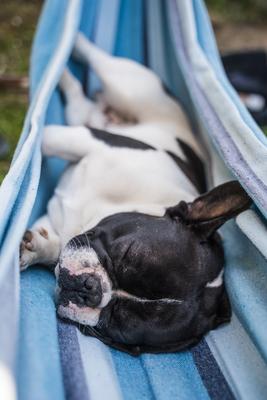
x: 193, y: 168
x: 114, y: 140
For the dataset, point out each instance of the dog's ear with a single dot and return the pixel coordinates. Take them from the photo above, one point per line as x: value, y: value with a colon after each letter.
x: 211, y: 210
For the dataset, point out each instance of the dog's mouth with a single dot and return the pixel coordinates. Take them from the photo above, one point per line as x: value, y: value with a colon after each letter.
x: 82, y: 284
x: 83, y: 289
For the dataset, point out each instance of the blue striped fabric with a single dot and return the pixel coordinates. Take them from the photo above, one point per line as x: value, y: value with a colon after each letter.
x: 210, y: 373
x: 244, y: 261
x: 151, y: 372
x: 245, y: 272
x: 71, y: 361
x: 104, y: 32
x: 38, y: 370
x: 129, y: 39
x: 38, y: 341
x: 54, y: 360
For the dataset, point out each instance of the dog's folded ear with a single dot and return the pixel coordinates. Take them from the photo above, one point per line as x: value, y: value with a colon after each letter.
x: 212, y: 209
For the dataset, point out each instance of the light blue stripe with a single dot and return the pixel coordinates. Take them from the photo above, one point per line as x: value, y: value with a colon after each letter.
x: 39, y: 368
x: 162, y: 58
x: 133, y: 377
x: 239, y: 361
x: 159, y: 376
x: 87, y: 25
x: 105, y: 33
x: 89, y: 17
x: 106, y: 29
x: 130, y: 33
x: 9, y: 315
x: 156, y: 43
x: 99, y: 369
x: 174, y: 376
x: 50, y: 26
x: 246, y: 279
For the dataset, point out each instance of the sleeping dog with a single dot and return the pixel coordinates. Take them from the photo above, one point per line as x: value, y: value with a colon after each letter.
x: 139, y: 263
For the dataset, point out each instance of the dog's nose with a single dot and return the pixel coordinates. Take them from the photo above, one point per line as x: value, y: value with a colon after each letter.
x: 92, y: 282
x: 91, y: 294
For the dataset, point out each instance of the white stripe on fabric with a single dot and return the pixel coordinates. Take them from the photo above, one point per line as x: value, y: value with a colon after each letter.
x: 7, y: 384
x: 254, y: 229
x: 9, y: 253
x: 239, y: 361
x: 99, y: 370
x: 253, y: 151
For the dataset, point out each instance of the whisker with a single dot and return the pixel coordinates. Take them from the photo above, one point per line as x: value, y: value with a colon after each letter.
x: 77, y: 238
x: 74, y: 241
x: 87, y: 240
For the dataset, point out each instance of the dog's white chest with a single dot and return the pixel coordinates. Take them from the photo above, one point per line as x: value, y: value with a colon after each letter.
x: 111, y: 180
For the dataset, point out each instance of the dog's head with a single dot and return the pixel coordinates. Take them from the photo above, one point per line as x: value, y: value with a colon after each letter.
x: 145, y: 283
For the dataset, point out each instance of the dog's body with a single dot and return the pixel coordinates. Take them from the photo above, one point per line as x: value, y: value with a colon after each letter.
x: 123, y: 177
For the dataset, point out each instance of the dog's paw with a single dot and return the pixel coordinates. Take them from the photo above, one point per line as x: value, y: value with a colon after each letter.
x: 30, y: 247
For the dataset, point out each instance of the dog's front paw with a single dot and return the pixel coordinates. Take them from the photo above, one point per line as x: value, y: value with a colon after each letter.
x: 28, y: 249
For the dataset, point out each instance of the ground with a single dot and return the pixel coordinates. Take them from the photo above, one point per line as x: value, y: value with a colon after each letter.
x: 239, y: 24
x: 17, y: 24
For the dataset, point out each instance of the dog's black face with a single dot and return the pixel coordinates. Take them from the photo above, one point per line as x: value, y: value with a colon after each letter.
x: 145, y: 283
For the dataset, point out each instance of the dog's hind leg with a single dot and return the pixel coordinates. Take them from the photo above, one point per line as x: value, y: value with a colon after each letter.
x: 40, y: 245
x: 79, y: 109
x: 129, y: 87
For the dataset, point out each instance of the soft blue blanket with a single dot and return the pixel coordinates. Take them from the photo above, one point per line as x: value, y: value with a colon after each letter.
x: 48, y: 359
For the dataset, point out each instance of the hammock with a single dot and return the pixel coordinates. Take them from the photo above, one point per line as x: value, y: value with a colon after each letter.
x: 44, y: 358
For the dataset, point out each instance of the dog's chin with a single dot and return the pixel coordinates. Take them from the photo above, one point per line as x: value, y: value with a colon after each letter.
x: 82, y: 315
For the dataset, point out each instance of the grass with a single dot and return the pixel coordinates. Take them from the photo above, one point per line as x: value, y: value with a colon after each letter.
x: 241, y: 11
x: 17, y: 25
x: 12, y: 112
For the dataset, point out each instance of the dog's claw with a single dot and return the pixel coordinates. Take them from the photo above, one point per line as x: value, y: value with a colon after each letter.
x: 28, y: 235
x: 26, y: 250
x: 27, y: 241
x: 29, y: 246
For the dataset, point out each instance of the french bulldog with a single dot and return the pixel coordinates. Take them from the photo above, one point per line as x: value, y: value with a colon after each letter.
x: 131, y: 229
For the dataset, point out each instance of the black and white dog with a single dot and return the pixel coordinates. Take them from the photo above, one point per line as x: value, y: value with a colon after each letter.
x: 139, y: 262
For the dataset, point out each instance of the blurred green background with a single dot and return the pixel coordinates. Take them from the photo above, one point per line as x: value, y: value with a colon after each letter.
x: 238, y: 24
x: 17, y: 25
x: 248, y: 11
